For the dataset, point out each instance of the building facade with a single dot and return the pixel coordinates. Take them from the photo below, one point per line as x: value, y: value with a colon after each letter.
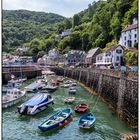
x: 112, y: 57
x: 129, y: 35
x: 91, y: 56
x: 75, y: 57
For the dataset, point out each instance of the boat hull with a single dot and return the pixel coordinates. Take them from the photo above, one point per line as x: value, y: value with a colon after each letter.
x: 12, y: 102
x: 43, y: 128
x: 87, y: 121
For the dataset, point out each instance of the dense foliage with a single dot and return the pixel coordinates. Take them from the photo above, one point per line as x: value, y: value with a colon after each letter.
x: 99, y: 25
x: 21, y: 26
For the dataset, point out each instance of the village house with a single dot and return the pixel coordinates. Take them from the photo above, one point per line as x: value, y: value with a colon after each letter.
x: 129, y: 35
x: 112, y: 57
x: 66, y: 33
x: 91, y: 56
x: 75, y: 57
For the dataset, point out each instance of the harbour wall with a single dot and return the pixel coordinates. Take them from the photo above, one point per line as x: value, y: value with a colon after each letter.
x: 19, y: 71
x: 120, y: 92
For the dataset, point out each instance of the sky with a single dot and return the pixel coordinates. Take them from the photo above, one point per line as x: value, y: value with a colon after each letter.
x: 65, y: 8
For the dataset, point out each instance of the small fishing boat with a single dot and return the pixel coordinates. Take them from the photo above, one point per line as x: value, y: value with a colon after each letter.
x: 50, y: 88
x: 87, y: 121
x: 34, y: 86
x: 66, y: 85
x: 69, y: 100
x: 12, y: 97
x: 81, y: 108
x: 56, y: 120
x: 36, y: 104
x: 72, y: 90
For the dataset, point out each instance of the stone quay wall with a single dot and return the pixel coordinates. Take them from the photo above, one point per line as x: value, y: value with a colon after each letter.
x: 25, y: 71
x: 119, y: 92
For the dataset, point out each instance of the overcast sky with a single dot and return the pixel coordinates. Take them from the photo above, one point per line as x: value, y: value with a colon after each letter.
x: 65, y: 8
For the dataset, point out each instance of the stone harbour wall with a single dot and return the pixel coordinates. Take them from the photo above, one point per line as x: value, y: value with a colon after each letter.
x: 119, y: 92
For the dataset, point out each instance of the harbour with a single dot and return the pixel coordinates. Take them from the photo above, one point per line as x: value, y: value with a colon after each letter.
x: 108, y: 125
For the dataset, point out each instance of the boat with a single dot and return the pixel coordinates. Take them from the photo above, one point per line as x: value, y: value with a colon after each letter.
x: 50, y: 88
x: 60, y: 79
x: 34, y: 86
x: 66, y: 85
x: 81, y: 108
x: 56, y: 120
x: 72, y: 90
x: 12, y: 97
x: 36, y: 104
x: 87, y: 121
x: 69, y: 100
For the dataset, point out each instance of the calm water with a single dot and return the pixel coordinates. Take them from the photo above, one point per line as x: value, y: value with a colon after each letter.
x: 107, y: 127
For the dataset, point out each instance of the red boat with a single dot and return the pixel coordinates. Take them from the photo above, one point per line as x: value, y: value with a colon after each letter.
x: 81, y: 108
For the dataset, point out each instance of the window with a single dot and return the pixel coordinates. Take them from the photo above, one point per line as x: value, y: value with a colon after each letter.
x: 118, y: 51
x: 135, y: 41
x: 125, y: 43
x: 117, y: 58
x: 135, y: 35
x: 130, y: 36
x: 125, y: 38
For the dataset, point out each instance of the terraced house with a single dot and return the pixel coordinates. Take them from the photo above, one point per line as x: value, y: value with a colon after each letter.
x: 112, y: 57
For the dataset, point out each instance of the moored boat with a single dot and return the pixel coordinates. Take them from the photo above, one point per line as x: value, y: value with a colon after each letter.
x: 57, y: 119
x: 50, y: 88
x: 72, y: 90
x: 12, y: 97
x: 69, y: 99
x: 81, y: 108
x: 87, y: 121
x: 36, y: 104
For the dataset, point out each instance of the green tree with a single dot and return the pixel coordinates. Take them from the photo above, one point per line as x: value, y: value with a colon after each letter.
x: 67, y: 23
x: 76, y: 20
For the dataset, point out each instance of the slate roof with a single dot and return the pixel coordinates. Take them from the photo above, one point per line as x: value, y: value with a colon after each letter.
x: 130, y: 27
x: 91, y: 52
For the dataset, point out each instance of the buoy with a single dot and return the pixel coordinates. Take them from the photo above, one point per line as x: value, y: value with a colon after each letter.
x: 60, y: 124
x: 71, y: 117
x: 65, y: 122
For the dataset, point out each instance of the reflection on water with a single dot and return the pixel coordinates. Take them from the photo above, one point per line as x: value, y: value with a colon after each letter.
x: 107, y: 126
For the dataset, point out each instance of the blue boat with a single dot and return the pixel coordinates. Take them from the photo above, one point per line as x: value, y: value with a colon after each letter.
x: 87, y: 121
x: 56, y: 120
x: 36, y: 104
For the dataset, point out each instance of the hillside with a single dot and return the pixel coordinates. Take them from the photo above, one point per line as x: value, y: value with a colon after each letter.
x: 21, y: 26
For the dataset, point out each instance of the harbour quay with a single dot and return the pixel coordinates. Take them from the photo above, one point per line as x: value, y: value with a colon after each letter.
x: 118, y: 89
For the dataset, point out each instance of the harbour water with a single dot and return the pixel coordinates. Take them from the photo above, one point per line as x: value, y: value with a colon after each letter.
x: 107, y: 127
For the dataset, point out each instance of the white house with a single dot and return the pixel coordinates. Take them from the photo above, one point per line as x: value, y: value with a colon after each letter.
x: 129, y: 35
x: 112, y: 57
x: 66, y: 33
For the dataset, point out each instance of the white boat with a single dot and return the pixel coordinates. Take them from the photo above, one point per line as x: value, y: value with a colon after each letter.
x: 34, y: 86
x: 50, y: 88
x: 12, y: 97
x: 69, y: 100
x: 36, y: 104
x: 72, y: 90
x: 66, y: 85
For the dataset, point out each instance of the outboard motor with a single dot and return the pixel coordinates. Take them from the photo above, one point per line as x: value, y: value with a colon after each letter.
x: 23, y: 110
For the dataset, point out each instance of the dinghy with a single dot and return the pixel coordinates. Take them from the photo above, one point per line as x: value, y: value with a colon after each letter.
x: 36, y: 104
x: 72, y: 90
x: 57, y: 119
x: 81, y: 108
x: 69, y: 100
x: 87, y: 121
